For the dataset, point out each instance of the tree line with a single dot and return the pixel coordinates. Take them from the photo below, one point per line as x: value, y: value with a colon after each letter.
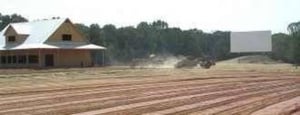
x: 127, y: 43
x: 6, y: 19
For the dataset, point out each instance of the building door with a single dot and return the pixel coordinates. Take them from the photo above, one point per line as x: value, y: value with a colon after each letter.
x: 49, y: 60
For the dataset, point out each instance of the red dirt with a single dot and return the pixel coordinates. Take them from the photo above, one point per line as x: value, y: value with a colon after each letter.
x: 226, y: 92
x: 291, y: 106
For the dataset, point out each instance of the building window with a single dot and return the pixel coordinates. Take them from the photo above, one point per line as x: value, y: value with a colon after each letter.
x: 67, y: 37
x: 14, y: 59
x: 11, y: 38
x: 9, y: 59
x: 22, y: 59
x: 33, y: 59
x: 3, y: 59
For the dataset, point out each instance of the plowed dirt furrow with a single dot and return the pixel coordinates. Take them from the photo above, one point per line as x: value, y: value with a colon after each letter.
x: 137, y: 91
x: 278, y: 108
x: 108, y: 88
x: 159, y: 106
x: 82, y: 89
x: 193, y: 108
x: 245, y: 104
x: 12, y: 97
x: 202, y: 105
x: 70, y: 107
x: 5, y: 107
x: 86, y: 95
x: 204, y: 101
x: 259, y: 104
x: 246, y: 112
x: 65, y: 92
x: 74, y: 88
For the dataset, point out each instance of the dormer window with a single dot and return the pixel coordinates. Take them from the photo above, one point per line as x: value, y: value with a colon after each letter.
x: 66, y: 37
x: 11, y: 38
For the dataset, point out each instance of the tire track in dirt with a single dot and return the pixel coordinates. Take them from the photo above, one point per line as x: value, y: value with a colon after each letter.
x: 139, y: 109
x: 187, y: 109
x: 251, y: 104
x: 209, y: 76
x: 112, y: 102
x: 89, y: 95
x: 65, y: 92
x: 14, y: 97
x: 51, y: 90
x: 284, y: 107
x: 259, y: 104
x: 75, y: 107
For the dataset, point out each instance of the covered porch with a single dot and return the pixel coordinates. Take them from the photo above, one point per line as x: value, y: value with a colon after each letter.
x: 47, y: 56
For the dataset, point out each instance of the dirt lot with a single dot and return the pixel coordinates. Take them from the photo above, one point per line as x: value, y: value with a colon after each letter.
x: 225, y: 89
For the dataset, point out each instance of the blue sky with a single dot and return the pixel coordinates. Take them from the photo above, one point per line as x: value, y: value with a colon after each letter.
x: 208, y: 15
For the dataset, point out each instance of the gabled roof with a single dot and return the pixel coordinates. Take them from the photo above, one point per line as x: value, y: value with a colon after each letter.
x: 38, y: 32
x: 22, y: 28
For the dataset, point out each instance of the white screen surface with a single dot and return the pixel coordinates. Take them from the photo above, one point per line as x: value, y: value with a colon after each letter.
x: 253, y: 41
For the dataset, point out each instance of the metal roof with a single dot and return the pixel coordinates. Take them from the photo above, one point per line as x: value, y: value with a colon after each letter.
x: 38, y: 32
x: 47, y: 46
x: 90, y: 46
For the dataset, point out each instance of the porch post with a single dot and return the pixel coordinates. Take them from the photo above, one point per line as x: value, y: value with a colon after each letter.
x: 103, y: 58
x: 95, y: 60
x: 9, y: 54
x: 40, y: 58
x: 17, y: 57
x: 58, y: 57
x: 27, y: 58
x: 0, y: 59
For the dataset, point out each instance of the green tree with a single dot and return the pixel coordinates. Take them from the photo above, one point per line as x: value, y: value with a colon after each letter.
x: 127, y: 43
x: 109, y: 35
x: 6, y: 19
x: 145, y: 34
x: 294, y: 29
x: 84, y: 30
x: 94, y: 34
x: 159, y: 24
x: 281, y: 47
x: 221, y: 45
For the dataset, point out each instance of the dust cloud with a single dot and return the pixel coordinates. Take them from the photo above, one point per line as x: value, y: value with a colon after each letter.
x: 157, y: 61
